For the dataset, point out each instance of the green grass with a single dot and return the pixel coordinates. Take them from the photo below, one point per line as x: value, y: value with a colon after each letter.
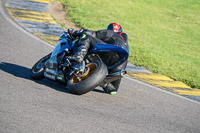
x: 164, y: 36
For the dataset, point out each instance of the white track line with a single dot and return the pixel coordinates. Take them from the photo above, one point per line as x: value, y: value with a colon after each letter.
x: 159, y: 89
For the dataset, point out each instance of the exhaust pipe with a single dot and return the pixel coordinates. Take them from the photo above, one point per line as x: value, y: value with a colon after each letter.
x: 113, y: 76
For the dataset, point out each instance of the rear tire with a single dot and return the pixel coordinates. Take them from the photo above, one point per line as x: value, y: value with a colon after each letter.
x: 97, y: 73
x: 37, y: 71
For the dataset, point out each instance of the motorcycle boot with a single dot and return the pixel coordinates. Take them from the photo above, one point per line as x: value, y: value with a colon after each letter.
x: 110, y: 89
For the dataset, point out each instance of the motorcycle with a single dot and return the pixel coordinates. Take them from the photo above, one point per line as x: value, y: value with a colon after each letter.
x: 84, y: 77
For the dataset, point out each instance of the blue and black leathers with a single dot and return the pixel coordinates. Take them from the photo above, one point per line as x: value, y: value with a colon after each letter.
x: 88, y: 39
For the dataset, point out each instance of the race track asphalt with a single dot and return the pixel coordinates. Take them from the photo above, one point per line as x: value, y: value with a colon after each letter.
x: 28, y: 106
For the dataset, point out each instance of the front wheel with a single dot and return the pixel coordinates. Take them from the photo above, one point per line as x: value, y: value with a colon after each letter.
x: 95, y: 73
x: 37, y: 71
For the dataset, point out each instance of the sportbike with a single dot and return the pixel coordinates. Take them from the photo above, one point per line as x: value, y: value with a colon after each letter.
x: 80, y: 78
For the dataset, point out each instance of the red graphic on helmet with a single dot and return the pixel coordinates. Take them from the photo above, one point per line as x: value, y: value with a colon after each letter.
x: 116, y: 27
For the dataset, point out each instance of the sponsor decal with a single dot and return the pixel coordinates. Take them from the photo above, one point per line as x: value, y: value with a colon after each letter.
x: 60, y: 78
x: 51, y: 71
x: 50, y: 76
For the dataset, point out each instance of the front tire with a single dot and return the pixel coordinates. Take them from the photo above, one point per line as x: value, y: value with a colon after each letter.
x: 88, y: 81
x: 37, y: 71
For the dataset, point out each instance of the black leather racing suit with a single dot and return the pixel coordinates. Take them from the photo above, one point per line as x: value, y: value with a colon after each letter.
x: 88, y: 39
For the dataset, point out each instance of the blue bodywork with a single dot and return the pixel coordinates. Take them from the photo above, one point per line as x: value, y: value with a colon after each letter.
x: 123, y: 54
x: 63, y: 45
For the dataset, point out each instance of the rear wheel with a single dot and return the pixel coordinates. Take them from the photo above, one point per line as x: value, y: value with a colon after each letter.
x: 37, y: 71
x: 94, y: 74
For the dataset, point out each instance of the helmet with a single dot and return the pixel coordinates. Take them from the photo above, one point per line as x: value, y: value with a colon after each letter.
x: 114, y: 27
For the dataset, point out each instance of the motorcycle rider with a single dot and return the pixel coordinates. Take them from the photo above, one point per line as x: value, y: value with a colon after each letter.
x: 87, y: 39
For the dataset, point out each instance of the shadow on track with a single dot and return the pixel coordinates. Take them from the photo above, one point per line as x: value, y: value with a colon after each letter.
x: 24, y: 72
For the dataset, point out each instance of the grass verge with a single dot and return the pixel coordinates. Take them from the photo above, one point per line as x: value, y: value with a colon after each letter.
x: 164, y: 36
